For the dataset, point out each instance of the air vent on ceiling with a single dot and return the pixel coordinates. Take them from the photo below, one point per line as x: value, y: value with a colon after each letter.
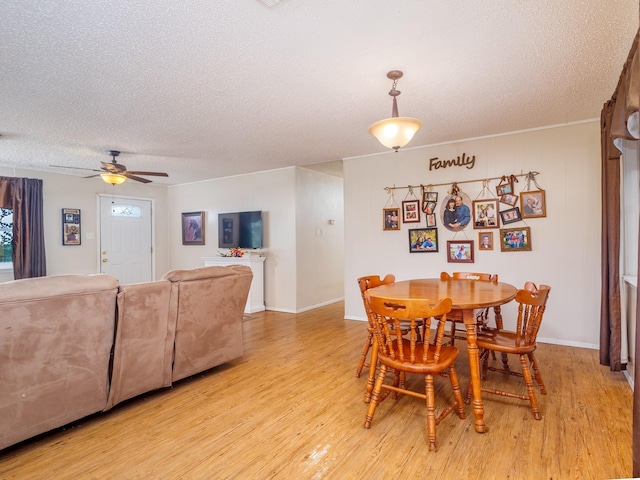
x: 270, y: 3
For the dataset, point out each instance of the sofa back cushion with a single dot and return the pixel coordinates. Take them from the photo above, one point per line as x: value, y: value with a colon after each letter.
x: 208, y: 304
x: 143, y: 348
x: 55, y: 346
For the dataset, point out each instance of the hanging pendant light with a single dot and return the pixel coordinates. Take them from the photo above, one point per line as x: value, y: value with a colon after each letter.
x: 395, y: 132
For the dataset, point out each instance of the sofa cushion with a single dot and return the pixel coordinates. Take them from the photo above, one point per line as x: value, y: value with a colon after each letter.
x: 55, y: 345
x: 143, y: 350
x: 208, y: 304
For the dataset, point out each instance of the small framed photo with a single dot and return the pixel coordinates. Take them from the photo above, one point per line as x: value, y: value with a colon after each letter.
x: 391, y: 218
x: 411, y: 211
x: 423, y: 240
x: 430, y: 197
x: 193, y: 228
x: 485, y: 213
x: 509, y: 199
x: 431, y: 219
x: 511, y: 215
x: 460, y: 251
x: 429, y: 200
x: 533, y: 204
x: 485, y: 240
x: 515, y: 239
x: 71, y: 226
x: 428, y: 207
x: 504, y: 189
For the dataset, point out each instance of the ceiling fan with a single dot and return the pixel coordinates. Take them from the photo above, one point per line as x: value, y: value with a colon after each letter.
x: 115, y: 173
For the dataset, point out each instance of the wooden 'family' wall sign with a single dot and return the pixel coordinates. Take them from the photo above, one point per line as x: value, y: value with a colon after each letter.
x: 464, y: 161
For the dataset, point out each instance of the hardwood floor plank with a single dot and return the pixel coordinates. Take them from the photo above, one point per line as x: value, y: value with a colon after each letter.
x: 291, y: 408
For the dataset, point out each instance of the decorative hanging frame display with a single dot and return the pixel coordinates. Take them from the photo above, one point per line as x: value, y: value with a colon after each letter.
x: 455, y: 211
x: 411, y: 208
x: 485, y: 210
x: 391, y: 213
x: 533, y: 202
x: 429, y: 203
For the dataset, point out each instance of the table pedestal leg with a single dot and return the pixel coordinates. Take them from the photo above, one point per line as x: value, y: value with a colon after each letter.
x: 474, y: 369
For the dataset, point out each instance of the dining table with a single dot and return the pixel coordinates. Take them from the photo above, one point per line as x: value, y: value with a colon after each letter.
x: 466, y: 295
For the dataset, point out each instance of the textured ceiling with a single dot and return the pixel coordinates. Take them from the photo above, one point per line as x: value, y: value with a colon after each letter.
x: 204, y: 89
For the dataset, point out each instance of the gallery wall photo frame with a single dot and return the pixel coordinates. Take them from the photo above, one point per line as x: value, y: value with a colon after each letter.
x: 391, y: 218
x: 460, y: 251
x: 485, y: 240
x: 423, y: 240
x: 533, y: 204
x: 71, y: 234
x: 411, y: 211
x: 193, y: 228
x: 511, y: 215
x: 485, y: 213
x: 515, y: 239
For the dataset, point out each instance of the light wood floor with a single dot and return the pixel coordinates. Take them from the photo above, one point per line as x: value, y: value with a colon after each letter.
x: 292, y: 409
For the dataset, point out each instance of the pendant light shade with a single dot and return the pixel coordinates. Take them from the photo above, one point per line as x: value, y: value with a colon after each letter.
x: 113, y: 178
x: 395, y: 132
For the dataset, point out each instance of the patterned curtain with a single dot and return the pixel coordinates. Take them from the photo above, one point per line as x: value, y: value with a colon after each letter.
x: 24, y: 197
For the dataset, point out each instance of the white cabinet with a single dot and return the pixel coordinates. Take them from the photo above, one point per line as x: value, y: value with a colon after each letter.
x: 255, y: 302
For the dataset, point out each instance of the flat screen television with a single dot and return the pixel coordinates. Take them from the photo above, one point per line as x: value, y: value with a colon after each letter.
x: 240, y: 230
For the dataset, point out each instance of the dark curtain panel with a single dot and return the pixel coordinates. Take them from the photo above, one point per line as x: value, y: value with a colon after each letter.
x: 619, y: 120
x: 24, y: 197
x: 610, y: 315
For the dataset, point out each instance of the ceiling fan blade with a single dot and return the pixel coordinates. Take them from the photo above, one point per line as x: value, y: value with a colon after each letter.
x: 156, y: 174
x: 92, y: 176
x: 75, y: 168
x: 133, y: 177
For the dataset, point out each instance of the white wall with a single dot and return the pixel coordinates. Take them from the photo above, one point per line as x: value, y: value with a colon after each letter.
x: 565, y: 244
x: 66, y: 191
x: 292, y: 200
x: 319, y: 244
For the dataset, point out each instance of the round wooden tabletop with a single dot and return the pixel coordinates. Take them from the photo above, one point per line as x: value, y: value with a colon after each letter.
x: 465, y: 294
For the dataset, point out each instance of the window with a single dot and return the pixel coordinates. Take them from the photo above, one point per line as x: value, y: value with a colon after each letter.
x: 6, y: 236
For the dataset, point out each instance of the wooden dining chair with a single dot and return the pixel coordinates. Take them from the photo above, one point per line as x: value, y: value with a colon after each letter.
x: 366, y: 283
x: 522, y: 342
x: 406, y: 354
x: 482, y: 316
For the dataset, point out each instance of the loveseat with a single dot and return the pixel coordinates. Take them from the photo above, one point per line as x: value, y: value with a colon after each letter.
x: 75, y: 345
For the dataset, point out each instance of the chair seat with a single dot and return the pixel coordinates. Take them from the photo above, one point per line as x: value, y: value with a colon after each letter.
x: 502, y: 341
x: 448, y: 356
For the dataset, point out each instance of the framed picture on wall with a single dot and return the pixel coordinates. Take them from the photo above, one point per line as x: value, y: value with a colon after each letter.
x: 391, y: 218
x: 485, y: 213
x: 533, y: 204
x: 423, y: 240
x: 511, y: 215
x: 411, y: 211
x: 460, y: 251
x: 485, y: 240
x: 515, y: 239
x: 193, y: 228
x: 71, y: 226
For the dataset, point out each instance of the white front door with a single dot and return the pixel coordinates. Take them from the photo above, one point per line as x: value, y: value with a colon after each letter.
x: 125, y: 239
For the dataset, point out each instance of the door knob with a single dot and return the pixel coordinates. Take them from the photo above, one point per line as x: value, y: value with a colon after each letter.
x: 105, y: 260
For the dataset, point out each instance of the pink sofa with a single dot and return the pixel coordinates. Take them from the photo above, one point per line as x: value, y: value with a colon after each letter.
x: 74, y: 345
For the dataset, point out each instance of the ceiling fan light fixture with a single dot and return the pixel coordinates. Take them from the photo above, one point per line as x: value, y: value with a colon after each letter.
x: 113, y: 178
x: 395, y: 132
